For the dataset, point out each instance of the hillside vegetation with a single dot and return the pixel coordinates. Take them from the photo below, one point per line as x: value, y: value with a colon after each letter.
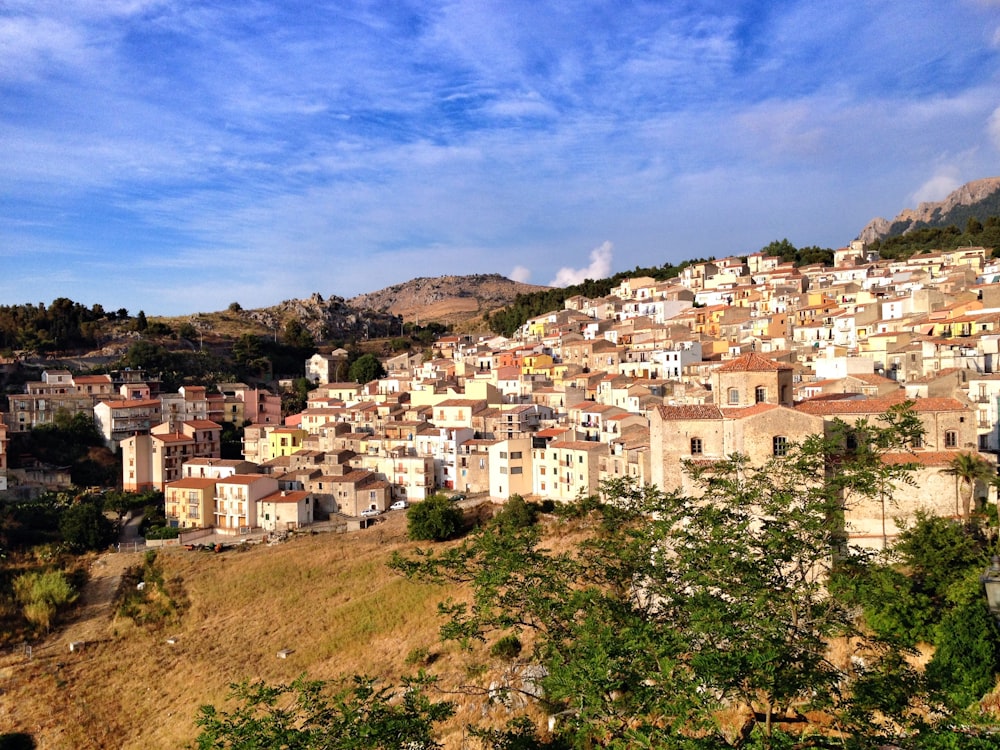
x: 329, y: 597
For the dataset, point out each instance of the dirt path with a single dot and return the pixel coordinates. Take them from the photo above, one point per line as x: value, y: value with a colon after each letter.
x: 94, y: 612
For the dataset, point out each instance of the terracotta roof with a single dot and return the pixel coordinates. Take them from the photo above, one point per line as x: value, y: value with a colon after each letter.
x: 85, y: 379
x: 243, y: 478
x: 134, y: 404
x: 827, y: 406
x: 578, y: 445
x: 870, y: 378
x: 689, y: 411
x: 924, y: 458
x: 173, y: 437
x: 285, y: 496
x: 752, y: 362
x: 747, y: 411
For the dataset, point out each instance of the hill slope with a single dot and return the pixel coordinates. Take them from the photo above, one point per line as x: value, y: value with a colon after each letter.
x: 329, y: 597
x: 445, y: 299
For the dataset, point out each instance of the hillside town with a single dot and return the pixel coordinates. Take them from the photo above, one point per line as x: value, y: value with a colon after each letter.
x: 736, y: 355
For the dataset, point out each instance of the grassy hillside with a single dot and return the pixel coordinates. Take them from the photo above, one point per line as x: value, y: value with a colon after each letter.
x: 329, y: 597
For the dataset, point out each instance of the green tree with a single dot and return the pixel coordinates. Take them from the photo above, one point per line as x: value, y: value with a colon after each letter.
x: 517, y: 513
x: 296, y: 399
x: 856, y: 454
x: 936, y: 552
x: 298, y: 336
x: 306, y: 715
x: 968, y: 469
x: 365, y: 369
x: 966, y: 655
x: 434, y: 519
x: 42, y: 595
x: 84, y: 527
x: 677, y: 607
x: 246, y: 349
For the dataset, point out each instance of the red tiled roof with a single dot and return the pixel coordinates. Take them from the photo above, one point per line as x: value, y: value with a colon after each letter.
x: 285, y: 496
x: 827, y: 406
x: 689, y: 411
x: 752, y: 362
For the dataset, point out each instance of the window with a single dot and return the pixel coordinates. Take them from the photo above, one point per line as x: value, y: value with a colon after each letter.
x: 514, y: 455
x: 760, y: 394
x: 950, y: 439
x: 696, y: 446
x: 734, y: 395
x: 503, y: 454
x: 515, y: 469
x: 780, y: 444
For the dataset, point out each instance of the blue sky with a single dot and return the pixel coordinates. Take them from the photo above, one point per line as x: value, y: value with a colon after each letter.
x: 177, y: 156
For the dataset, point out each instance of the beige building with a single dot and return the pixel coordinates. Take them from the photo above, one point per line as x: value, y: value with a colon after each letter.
x: 58, y: 390
x: 566, y: 469
x: 285, y: 510
x: 510, y: 468
x: 118, y: 420
x: 153, y: 460
x: 237, y: 500
x: 752, y: 379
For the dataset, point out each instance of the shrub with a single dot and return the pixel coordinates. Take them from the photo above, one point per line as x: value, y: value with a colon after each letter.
x: 516, y: 513
x: 84, y: 526
x: 435, y: 519
x: 508, y: 647
x: 417, y: 655
x: 966, y: 656
x: 42, y: 595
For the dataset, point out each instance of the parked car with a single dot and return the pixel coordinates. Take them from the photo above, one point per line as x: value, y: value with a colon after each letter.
x: 457, y: 498
x: 399, y: 505
x: 370, y: 512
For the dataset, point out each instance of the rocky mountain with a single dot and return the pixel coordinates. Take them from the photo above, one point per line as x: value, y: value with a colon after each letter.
x: 979, y: 199
x: 444, y: 299
x: 330, y: 318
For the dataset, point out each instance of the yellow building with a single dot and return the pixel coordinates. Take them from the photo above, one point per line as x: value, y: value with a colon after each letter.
x: 190, y: 503
x: 284, y: 441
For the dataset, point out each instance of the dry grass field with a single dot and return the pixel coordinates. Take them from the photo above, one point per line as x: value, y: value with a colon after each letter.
x: 328, y: 597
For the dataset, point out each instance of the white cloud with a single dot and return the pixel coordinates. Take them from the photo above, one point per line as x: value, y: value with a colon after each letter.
x: 520, y: 274
x: 599, y: 268
x: 944, y: 181
x: 994, y: 127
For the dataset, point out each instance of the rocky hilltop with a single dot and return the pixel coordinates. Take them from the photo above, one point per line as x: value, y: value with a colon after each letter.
x: 445, y: 299
x: 330, y: 318
x: 979, y: 198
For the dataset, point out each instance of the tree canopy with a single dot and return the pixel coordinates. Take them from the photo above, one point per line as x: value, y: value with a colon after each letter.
x: 365, y: 369
x: 676, y: 611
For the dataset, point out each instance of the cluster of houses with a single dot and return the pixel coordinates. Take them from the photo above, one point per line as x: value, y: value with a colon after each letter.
x: 739, y: 355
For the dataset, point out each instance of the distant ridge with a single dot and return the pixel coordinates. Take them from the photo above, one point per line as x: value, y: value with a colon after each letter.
x: 979, y: 199
x: 445, y: 299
